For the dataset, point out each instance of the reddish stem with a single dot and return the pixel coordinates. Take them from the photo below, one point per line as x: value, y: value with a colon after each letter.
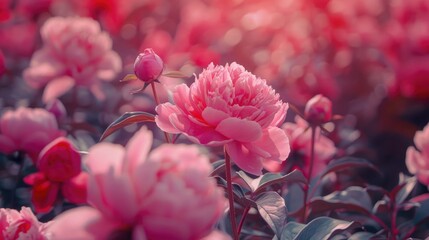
x: 310, y: 172
x: 230, y: 195
x: 243, y: 217
x: 155, y: 96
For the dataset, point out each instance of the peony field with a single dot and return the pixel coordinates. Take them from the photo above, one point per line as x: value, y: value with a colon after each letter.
x: 214, y: 119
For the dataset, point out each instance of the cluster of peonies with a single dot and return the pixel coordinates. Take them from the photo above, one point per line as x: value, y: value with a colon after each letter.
x: 164, y: 195
x: 76, y: 52
x: 227, y: 105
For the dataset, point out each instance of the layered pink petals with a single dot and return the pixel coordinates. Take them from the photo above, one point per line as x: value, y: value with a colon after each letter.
x: 16, y: 225
x: 228, y: 105
x: 417, y: 159
x: 76, y: 52
x: 145, y: 197
x: 16, y: 126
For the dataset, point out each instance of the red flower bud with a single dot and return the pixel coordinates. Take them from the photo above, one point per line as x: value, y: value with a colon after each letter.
x: 59, y: 161
x: 318, y: 110
x: 148, y: 66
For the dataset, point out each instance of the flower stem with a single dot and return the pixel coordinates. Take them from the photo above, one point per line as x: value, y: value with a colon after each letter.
x: 310, y: 172
x: 243, y: 217
x: 230, y: 195
x: 155, y: 96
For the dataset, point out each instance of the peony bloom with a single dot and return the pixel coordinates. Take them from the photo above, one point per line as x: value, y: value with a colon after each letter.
x: 417, y: 159
x: 21, y: 225
x: 300, y: 141
x: 318, y: 110
x: 59, y: 167
x: 28, y: 130
x: 232, y: 107
x: 75, y: 53
x: 166, y: 195
x: 148, y: 66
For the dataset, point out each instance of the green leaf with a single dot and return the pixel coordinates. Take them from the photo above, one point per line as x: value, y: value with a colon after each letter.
x: 126, y: 119
x: 272, y: 208
x: 323, y: 228
x: 352, y: 199
x: 269, y: 179
x: 401, y: 191
x: 218, y: 167
x: 347, y: 163
x: 129, y: 77
x: 291, y: 230
x: 175, y: 74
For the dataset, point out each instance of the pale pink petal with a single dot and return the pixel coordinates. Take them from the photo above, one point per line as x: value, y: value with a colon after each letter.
x: 139, y: 233
x: 83, y: 223
x: 57, y: 87
x: 273, y: 141
x: 164, y: 112
x: 240, y: 129
x: 213, y: 116
x: 244, y: 159
x: 217, y: 235
x: 412, y: 160
x: 137, y: 149
x: 104, y: 156
x: 109, y: 67
x: 97, y: 91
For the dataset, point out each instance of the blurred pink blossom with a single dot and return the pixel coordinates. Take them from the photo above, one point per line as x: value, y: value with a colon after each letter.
x: 2, y: 64
x: 148, y: 66
x: 28, y: 130
x: 59, y: 167
x: 16, y: 225
x: 75, y: 53
x: 318, y: 110
x: 226, y: 105
x: 417, y: 158
x: 166, y: 195
x: 299, y: 135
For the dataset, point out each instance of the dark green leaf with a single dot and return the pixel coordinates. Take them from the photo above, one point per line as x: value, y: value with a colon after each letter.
x: 324, y: 228
x: 401, y: 192
x: 291, y: 230
x: 272, y: 208
x: 347, y: 163
x: 361, y: 236
x: 127, y: 119
x: 252, y: 183
x: 268, y: 179
x: 218, y: 167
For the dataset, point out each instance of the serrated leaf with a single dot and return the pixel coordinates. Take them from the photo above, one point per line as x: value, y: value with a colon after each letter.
x: 291, y: 230
x: 272, y: 208
x: 175, y: 74
x: 218, y: 167
x: 125, y: 120
x: 129, y: 77
x: 268, y: 179
x: 324, y: 228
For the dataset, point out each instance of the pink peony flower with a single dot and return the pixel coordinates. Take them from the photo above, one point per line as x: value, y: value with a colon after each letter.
x: 148, y: 66
x: 166, y: 195
x: 300, y: 141
x: 232, y: 107
x: 318, y: 110
x: 417, y: 158
x: 75, y: 53
x: 28, y: 130
x: 21, y: 225
x: 59, y: 167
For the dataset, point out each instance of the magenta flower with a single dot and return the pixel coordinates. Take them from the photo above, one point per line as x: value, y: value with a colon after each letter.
x: 2, y: 64
x: 166, y: 195
x: 148, y: 66
x: 75, y: 53
x: 232, y: 107
x: 16, y: 225
x: 59, y: 167
x: 417, y: 159
x: 300, y: 141
x: 16, y: 126
x: 318, y: 110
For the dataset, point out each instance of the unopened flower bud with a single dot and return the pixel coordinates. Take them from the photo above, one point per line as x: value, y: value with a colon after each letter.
x: 148, y: 66
x: 318, y: 110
